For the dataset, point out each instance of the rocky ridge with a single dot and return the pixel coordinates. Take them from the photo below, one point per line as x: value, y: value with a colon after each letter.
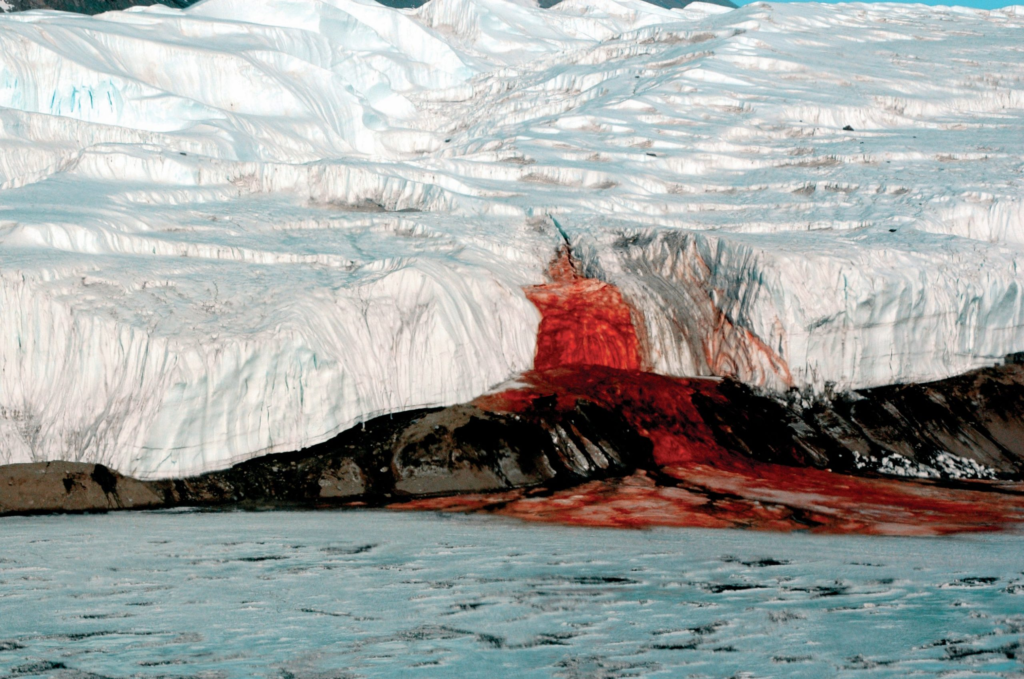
x: 964, y: 428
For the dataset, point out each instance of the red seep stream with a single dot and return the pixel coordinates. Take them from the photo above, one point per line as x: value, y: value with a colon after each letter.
x: 587, y: 348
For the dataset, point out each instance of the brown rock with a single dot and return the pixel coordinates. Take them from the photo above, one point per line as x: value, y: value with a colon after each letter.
x: 42, y: 487
x: 347, y: 481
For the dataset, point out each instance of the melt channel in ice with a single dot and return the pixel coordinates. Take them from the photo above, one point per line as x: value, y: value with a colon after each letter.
x: 244, y: 227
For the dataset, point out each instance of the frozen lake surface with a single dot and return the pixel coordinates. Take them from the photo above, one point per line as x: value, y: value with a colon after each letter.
x: 385, y: 594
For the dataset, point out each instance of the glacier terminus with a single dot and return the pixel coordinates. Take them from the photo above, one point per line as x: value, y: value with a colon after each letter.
x: 242, y: 228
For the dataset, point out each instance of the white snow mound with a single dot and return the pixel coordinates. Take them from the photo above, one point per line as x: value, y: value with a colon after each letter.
x: 244, y: 227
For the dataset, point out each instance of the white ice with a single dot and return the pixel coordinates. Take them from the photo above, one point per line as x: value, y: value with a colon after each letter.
x: 244, y: 227
x: 400, y: 594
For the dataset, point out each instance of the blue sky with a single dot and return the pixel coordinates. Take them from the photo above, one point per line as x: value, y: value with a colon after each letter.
x: 981, y: 4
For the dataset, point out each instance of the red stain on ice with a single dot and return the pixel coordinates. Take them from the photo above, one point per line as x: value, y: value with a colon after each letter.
x: 725, y: 343
x: 583, y: 321
x: 587, y: 349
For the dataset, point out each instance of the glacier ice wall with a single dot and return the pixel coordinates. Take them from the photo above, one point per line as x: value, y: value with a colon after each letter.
x: 240, y: 228
x: 226, y: 349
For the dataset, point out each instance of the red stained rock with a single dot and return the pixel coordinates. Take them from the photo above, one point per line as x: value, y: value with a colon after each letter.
x: 587, y: 349
x: 703, y: 484
x: 711, y: 498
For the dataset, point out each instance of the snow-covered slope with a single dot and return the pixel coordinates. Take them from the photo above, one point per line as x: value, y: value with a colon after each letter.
x: 244, y: 227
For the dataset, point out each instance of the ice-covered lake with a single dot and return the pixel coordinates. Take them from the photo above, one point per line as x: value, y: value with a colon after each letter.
x: 385, y: 594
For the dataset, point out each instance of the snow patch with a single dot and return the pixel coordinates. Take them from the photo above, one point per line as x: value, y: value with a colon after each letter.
x: 941, y: 464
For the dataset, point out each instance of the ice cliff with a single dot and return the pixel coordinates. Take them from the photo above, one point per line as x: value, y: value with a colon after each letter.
x: 244, y: 227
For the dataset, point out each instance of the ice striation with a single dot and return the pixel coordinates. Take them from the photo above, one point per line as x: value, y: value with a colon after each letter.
x: 238, y: 229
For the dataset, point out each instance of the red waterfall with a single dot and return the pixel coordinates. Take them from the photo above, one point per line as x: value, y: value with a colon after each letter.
x: 587, y: 348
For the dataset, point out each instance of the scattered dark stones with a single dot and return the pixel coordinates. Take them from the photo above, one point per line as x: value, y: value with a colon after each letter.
x: 316, y: 611
x: 820, y: 591
x: 847, y: 128
x: 860, y: 662
x: 602, y: 668
x: 689, y: 646
x: 1010, y: 651
x: 603, y: 580
x: 728, y: 587
x: 764, y: 563
x: 348, y: 551
x: 756, y: 563
x: 79, y: 636
x: 970, y: 582
x: 161, y: 663
x: 966, y: 427
x: 37, y: 668
x: 710, y: 628
x: 944, y: 642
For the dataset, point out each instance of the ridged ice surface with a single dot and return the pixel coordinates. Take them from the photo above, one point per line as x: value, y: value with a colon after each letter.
x: 210, y: 246
x: 377, y: 594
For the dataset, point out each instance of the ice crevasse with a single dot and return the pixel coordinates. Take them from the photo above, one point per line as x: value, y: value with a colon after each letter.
x: 243, y: 228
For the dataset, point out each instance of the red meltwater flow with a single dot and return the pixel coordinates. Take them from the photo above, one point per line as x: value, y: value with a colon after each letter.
x: 587, y: 348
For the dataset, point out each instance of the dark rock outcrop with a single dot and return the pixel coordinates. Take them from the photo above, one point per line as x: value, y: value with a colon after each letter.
x: 969, y: 426
x: 414, y: 454
x: 966, y: 427
x: 431, y: 452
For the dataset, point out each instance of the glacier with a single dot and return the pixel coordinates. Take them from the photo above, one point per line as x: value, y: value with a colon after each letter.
x: 238, y: 229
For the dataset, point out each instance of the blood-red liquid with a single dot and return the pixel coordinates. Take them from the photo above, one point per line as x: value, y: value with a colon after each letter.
x: 587, y: 349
